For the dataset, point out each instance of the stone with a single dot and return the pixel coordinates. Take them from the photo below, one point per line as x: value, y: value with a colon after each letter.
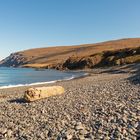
x: 124, y: 119
x: 33, y: 94
x: 3, y: 130
x: 83, y: 131
x: 81, y: 137
x: 42, y: 136
x: 69, y: 136
x: 79, y: 126
x: 9, y: 133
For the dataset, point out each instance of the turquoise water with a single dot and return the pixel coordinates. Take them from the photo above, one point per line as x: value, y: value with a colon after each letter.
x: 28, y: 76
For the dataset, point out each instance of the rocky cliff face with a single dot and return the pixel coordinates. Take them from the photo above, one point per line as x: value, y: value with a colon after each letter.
x: 14, y: 60
x: 81, y: 63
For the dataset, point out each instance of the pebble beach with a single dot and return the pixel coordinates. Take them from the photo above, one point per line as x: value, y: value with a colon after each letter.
x: 104, y: 105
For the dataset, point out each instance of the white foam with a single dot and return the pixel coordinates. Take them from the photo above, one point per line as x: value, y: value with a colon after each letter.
x: 40, y: 83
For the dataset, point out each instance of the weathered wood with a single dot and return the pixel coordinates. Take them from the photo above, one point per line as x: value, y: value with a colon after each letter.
x: 33, y: 94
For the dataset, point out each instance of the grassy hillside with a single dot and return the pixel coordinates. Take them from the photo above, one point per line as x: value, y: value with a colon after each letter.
x: 82, y: 56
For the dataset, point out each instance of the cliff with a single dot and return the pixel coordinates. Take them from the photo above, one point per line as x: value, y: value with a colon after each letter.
x: 108, y: 53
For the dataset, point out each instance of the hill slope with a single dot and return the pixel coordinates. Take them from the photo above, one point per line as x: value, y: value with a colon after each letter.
x: 79, y: 56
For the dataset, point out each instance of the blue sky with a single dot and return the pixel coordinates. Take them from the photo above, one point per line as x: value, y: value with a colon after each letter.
x: 28, y: 24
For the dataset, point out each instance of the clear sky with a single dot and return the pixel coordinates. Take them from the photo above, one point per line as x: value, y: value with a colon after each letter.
x: 28, y: 24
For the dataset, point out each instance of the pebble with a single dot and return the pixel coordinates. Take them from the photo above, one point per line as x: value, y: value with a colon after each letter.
x: 9, y: 133
x: 103, y: 106
x: 79, y: 126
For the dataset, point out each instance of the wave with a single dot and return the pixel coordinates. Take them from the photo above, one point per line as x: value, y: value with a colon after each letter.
x: 41, y: 83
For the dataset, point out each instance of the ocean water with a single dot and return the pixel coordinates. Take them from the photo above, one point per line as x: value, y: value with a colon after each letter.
x: 12, y: 77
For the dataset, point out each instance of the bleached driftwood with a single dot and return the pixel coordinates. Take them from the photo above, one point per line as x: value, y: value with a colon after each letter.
x: 33, y: 94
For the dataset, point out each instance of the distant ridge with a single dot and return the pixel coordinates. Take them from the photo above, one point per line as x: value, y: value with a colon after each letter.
x: 115, y: 52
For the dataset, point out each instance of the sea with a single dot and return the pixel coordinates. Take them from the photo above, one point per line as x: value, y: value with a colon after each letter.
x: 15, y: 77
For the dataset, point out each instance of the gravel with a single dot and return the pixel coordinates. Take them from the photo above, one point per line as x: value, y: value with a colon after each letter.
x: 103, y: 106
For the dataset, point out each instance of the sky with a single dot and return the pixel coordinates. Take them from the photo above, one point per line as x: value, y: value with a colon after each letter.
x: 26, y: 24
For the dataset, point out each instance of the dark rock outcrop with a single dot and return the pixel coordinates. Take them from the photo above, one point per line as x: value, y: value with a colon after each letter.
x: 120, y: 57
x: 14, y: 60
x: 81, y: 63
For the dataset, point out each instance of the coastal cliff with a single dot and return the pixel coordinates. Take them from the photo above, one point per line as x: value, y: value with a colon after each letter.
x: 108, y: 53
x: 14, y: 60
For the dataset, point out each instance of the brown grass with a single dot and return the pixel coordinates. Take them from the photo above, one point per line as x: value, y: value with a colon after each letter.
x: 58, y: 54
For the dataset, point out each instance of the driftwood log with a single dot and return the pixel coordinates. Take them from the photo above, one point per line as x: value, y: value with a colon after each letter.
x: 33, y: 94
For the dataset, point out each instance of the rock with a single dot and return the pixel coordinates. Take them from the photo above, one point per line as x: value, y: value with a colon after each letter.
x: 9, y: 133
x: 49, y: 133
x: 124, y: 119
x: 33, y: 94
x: 88, y: 139
x: 81, y: 137
x: 79, y: 126
x: 69, y: 136
x: 3, y: 131
x: 83, y: 131
x: 69, y: 133
x: 42, y: 136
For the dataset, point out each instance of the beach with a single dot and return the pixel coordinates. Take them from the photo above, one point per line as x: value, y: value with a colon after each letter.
x: 105, y: 105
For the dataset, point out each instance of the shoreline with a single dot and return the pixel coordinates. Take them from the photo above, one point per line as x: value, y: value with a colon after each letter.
x: 44, y: 83
x: 103, y: 105
x: 87, y: 72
